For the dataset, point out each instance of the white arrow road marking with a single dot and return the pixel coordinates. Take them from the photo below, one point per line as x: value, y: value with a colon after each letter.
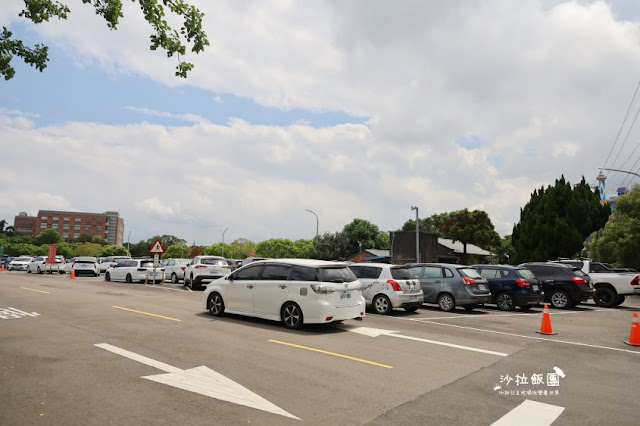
x: 531, y: 413
x: 202, y: 380
x: 375, y: 332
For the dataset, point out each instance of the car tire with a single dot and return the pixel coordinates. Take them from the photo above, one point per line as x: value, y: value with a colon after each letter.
x: 192, y: 285
x: 605, y: 297
x: 128, y: 279
x: 291, y: 316
x: 505, y: 301
x: 39, y: 270
x: 446, y: 302
x: 560, y: 300
x: 215, y: 304
x: 381, y: 304
x: 620, y: 300
x: 107, y: 277
x: 470, y: 308
x: 174, y: 278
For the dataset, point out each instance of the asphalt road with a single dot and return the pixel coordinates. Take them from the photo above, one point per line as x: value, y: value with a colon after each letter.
x: 90, y: 352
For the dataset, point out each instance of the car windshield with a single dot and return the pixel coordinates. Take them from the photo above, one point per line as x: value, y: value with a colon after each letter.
x: 402, y: 273
x: 23, y: 259
x: 525, y: 273
x: 336, y: 275
x: 469, y: 272
x: 206, y: 261
x: 146, y: 264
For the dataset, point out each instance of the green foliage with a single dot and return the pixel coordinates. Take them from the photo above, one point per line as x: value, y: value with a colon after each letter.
x: 242, y: 248
x: 431, y: 224
x: 333, y: 246
x: 48, y: 236
x: 65, y: 249
x: 556, y: 220
x: 305, y: 249
x: 216, y: 250
x: 154, y: 11
x: 176, y: 251
x: 619, y: 241
x: 18, y: 249
x: 473, y: 227
x: 89, y: 249
x: 110, y: 250
x: 142, y: 248
x: 285, y: 248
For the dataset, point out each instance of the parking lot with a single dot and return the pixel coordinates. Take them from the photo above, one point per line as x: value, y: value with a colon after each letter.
x: 86, y: 351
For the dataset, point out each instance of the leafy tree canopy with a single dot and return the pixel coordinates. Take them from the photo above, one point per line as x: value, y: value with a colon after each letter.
x: 242, y: 248
x: 164, y: 36
x: 48, y: 236
x: 110, y: 250
x: 176, y: 251
x: 89, y: 249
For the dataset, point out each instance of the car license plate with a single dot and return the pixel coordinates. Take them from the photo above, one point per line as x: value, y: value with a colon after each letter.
x: 413, y: 298
x: 345, y: 296
x: 482, y: 287
x: 536, y: 288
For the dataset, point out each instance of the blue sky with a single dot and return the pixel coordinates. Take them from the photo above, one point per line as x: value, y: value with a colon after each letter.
x: 318, y: 105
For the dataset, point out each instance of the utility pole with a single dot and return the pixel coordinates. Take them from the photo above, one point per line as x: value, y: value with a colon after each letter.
x: 223, y: 240
x: 317, y: 221
x: 417, y: 234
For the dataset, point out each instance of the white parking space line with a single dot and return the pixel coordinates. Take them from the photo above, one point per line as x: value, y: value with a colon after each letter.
x: 492, y: 315
x: 531, y: 413
x: 532, y: 337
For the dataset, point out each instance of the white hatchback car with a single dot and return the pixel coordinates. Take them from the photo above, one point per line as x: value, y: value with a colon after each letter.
x: 174, y: 269
x: 205, y: 268
x: 293, y: 291
x: 130, y: 270
x: 388, y: 286
x: 83, y: 265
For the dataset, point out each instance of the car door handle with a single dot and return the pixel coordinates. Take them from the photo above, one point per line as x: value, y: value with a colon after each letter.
x: 437, y: 281
x: 249, y: 285
x: 283, y: 286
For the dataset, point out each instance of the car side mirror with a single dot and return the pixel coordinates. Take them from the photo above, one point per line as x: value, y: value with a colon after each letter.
x: 230, y: 278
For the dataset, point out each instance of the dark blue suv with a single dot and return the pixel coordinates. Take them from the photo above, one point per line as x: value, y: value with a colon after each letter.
x: 511, y: 286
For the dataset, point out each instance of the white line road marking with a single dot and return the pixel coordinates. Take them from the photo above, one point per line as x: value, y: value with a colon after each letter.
x: 201, y: 380
x: 490, y: 315
x: 532, y: 337
x: 531, y: 413
x: 375, y: 332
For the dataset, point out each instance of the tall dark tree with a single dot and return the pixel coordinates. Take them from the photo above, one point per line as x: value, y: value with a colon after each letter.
x: 556, y: 221
x: 473, y: 227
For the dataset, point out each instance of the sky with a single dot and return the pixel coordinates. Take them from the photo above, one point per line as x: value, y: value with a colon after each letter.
x: 350, y: 109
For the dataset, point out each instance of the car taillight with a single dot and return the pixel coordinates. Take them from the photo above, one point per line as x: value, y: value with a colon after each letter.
x: 468, y: 280
x: 199, y: 266
x: 225, y: 267
x: 636, y: 280
x: 523, y: 283
x: 183, y: 268
x: 319, y: 288
x: 578, y: 280
x: 395, y: 285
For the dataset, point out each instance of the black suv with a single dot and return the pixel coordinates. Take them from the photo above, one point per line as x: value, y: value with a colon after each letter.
x: 511, y: 286
x: 564, y: 286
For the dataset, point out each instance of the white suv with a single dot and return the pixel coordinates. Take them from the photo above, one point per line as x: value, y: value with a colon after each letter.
x: 203, y: 268
x: 388, y: 286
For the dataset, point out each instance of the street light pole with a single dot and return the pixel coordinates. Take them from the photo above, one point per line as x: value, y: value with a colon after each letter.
x: 223, y: 240
x: 317, y: 221
x: 128, y: 239
x: 417, y: 234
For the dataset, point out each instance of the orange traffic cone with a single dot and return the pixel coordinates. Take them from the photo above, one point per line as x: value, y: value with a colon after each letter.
x: 545, y: 328
x: 2, y: 268
x: 634, y: 338
x: 73, y: 274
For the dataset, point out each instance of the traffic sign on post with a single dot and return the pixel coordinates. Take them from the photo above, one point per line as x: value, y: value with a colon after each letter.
x: 156, y: 248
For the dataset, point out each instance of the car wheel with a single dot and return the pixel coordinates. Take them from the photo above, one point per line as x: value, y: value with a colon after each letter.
x: 39, y: 270
x: 107, y: 277
x: 505, y: 302
x: 192, y: 285
x: 560, y: 300
x: 216, y: 304
x: 291, y: 315
x: 128, y: 279
x: 382, y: 304
x: 619, y: 300
x: 174, y: 278
x: 605, y: 297
x: 28, y: 271
x: 470, y: 307
x: 446, y: 302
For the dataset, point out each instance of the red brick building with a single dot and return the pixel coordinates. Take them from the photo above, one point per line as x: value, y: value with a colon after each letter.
x: 70, y: 225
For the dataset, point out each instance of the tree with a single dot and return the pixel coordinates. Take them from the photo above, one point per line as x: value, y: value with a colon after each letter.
x: 618, y: 242
x: 176, y: 251
x: 556, y: 221
x: 277, y: 248
x: 48, y: 236
x: 242, y: 248
x: 89, y: 249
x: 431, y: 224
x: 164, y: 36
x: 110, y: 250
x: 471, y: 227
x: 333, y: 246
x: 142, y: 247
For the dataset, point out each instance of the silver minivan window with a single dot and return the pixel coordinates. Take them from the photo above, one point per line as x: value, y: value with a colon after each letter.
x: 336, y: 275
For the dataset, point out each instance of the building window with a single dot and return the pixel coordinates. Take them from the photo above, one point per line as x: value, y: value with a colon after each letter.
x: 55, y: 218
x: 65, y: 235
x: 87, y: 228
x: 43, y: 226
x: 54, y: 226
x: 76, y: 227
x: 65, y: 226
x: 76, y: 235
x: 66, y: 219
x: 78, y: 219
x: 44, y: 218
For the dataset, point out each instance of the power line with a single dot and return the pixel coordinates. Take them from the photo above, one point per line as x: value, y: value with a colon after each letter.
x: 626, y: 137
x: 622, y: 125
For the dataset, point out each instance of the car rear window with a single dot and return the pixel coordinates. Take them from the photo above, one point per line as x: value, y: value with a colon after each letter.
x: 146, y: 264
x: 336, y: 275
x: 206, y: 261
x: 469, y: 272
x: 84, y: 261
x: 402, y: 273
x: 303, y: 273
x: 525, y: 273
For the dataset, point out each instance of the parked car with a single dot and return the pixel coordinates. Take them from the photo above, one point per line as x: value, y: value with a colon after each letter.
x: 292, y: 291
x: 130, y: 270
x: 83, y: 265
x: 388, y: 286
x: 5, y: 260
x: 110, y: 261
x: 174, y: 269
x: 39, y: 265
x: 19, y: 263
x: 68, y: 265
x: 205, y: 269
x: 611, y: 287
x: 450, y: 285
x: 248, y: 260
x: 564, y: 286
x: 234, y: 263
x: 511, y: 286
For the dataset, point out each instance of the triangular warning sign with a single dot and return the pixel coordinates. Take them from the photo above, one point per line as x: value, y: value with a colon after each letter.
x: 157, y: 248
